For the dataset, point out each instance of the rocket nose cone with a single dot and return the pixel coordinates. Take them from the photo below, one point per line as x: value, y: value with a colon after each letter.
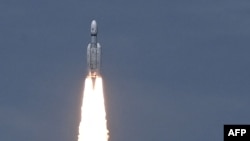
x: 93, y: 22
x: 93, y: 28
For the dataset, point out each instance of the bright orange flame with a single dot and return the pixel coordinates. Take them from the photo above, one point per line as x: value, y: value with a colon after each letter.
x: 93, y: 126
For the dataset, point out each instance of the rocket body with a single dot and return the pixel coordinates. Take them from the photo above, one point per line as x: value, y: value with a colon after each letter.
x: 94, y: 52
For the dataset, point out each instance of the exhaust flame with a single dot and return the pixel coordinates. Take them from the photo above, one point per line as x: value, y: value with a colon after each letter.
x: 93, y: 125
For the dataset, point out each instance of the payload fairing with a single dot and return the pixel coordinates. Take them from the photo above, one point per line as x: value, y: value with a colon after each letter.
x: 94, y: 52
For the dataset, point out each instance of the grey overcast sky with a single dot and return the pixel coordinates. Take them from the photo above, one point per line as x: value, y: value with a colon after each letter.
x: 173, y: 70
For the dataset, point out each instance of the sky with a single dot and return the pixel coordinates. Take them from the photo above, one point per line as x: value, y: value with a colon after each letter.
x: 173, y: 69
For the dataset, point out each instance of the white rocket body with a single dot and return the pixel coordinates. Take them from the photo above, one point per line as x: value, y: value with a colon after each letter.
x: 94, y: 52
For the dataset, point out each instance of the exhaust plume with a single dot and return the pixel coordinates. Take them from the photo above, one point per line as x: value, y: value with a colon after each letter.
x: 93, y: 125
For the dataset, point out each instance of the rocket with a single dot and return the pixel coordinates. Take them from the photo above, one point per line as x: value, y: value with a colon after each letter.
x: 93, y: 53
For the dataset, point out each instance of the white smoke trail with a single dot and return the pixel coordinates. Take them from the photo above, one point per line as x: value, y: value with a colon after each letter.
x: 93, y: 125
